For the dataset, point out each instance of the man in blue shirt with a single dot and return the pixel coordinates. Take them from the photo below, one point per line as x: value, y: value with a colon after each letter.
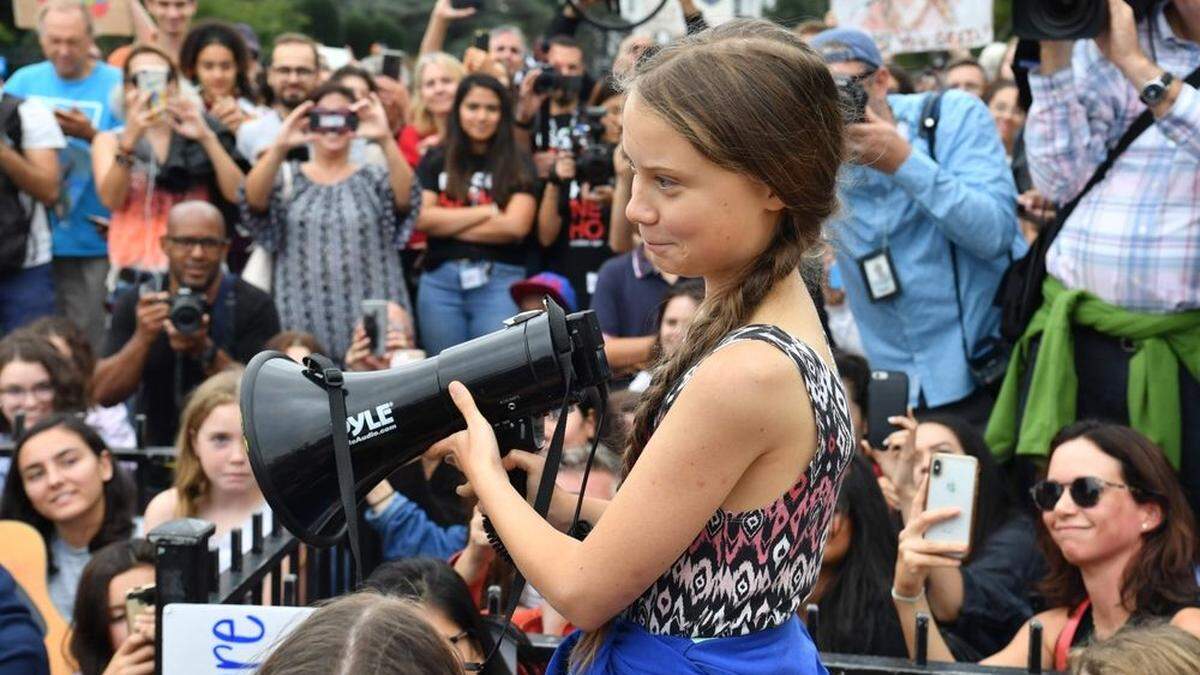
x: 923, y: 241
x: 79, y: 90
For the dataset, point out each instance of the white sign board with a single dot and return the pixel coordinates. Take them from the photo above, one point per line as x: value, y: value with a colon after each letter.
x: 211, y: 639
x: 902, y: 26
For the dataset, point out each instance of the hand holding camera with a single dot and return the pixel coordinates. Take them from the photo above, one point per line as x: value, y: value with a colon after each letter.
x: 135, y: 656
x: 192, y: 343
x: 369, y: 120
x: 917, y: 556
x: 898, y: 460
x: 564, y: 167
x: 187, y: 120
x: 295, y: 130
x: 530, y: 98
x: 138, y: 117
x: 152, y: 312
x: 876, y: 143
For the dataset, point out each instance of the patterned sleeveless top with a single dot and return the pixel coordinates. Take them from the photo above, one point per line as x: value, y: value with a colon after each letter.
x: 749, y: 571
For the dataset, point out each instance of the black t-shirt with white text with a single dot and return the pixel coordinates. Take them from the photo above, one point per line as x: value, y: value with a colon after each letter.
x: 582, y: 243
x: 433, y: 176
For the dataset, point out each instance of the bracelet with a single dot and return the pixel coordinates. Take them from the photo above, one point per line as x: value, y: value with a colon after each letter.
x: 911, y: 600
x: 382, y: 501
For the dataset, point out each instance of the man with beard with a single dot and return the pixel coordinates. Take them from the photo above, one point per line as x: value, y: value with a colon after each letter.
x: 149, y: 345
x: 292, y: 76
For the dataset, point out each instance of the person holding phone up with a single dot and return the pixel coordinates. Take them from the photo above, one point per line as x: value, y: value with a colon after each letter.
x: 334, y: 226
x: 1118, y: 537
x: 983, y: 603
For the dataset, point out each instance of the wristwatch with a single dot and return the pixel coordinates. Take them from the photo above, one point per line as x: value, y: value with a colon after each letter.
x: 1155, y: 90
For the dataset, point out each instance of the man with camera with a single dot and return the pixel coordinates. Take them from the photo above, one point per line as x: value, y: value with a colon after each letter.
x: 928, y: 234
x: 1118, y: 333
x: 168, y: 340
x: 292, y: 77
x: 548, y: 103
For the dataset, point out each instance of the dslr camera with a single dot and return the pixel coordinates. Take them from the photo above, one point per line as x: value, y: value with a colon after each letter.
x: 1067, y: 19
x: 551, y: 80
x: 593, y: 157
x: 188, y: 306
x: 853, y: 99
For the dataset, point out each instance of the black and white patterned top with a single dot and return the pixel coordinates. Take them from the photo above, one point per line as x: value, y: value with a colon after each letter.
x: 750, y: 571
x: 333, y: 246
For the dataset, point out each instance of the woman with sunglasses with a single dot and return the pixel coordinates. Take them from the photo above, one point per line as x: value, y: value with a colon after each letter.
x: 1119, y: 540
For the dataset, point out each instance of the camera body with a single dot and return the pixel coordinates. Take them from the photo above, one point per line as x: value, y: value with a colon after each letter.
x: 187, y: 306
x: 549, y: 79
x: 593, y: 157
x: 1066, y: 19
x: 342, y: 121
x: 853, y: 98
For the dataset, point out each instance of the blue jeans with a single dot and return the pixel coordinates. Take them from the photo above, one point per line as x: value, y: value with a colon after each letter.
x: 450, y: 315
x: 25, y: 296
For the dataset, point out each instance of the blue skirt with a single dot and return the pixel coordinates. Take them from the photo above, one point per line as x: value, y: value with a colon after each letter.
x: 629, y: 649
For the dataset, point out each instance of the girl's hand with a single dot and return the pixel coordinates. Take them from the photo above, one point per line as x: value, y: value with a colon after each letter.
x: 915, y: 556
x: 229, y: 112
x: 372, y: 119
x: 477, y: 538
x: 475, y: 451
x: 898, y: 459
x: 138, y: 116
x: 188, y: 121
x: 135, y: 656
x: 294, y: 131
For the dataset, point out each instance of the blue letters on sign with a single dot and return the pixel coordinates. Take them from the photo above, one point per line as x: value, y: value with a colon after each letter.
x: 224, y: 631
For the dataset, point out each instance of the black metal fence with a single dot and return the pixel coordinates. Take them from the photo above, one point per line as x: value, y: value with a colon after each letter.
x: 187, y: 572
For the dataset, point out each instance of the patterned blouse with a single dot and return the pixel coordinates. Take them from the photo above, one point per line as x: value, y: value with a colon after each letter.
x: 749, y: 571
x: 334, y: 246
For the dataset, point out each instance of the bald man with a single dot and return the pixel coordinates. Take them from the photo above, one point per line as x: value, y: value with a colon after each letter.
x: 146, y: 350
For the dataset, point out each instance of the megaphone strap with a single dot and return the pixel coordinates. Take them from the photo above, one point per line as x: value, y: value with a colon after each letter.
x: 326, y: 375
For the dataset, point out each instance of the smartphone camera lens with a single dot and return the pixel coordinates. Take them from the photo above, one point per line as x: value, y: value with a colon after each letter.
x: 937, y: 467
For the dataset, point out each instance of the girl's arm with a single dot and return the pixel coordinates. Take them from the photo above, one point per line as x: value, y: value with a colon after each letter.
x: 510, y: 226
x: 449, y: 221
x: 400, y: 175
x: 742, y: 402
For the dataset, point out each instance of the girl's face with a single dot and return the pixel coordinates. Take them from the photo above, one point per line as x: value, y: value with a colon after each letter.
x: 931, y: 438
x: 677, y: 317
x: 26, y: 388
x: 63, y: 478
x: 479, y: 114
x: 454, y: 634
x: 222, y: 453
x: 138, y: 575
x: 1008, y: 115
x: 695, y: 218
x: 437, y: 89
x: 216, y: 71
x: 334, y: 142
x: 612, y: 119
x: 357, y: 85
x: 1114, y: 526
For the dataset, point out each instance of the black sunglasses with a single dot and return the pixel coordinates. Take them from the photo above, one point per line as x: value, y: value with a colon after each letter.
x: 1085, y: 492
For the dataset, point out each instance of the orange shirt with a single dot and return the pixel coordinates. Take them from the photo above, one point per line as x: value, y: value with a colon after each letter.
x: 136, y: 229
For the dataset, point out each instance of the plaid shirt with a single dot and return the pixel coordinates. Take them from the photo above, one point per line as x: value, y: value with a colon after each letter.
x: 1134, y: 240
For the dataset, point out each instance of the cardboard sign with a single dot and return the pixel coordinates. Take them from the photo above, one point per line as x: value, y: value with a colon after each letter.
x: 211, y: 639
x: 902, y: 26
x: 111, y: 17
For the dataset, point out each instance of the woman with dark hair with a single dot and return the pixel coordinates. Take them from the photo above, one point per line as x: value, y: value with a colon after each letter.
x: 675, y: 314
x: 477, y: 206
x: 111, y: 422
x: 363, y: 633
x: 852, y: 589
x: 35, y: 381
x: 215, y: 58
x: 446, y: 602
x: 65, y: 484
x: 1118, y: 536
x: 983, y: 603
x: 334, y: 225
x: 100, y: 636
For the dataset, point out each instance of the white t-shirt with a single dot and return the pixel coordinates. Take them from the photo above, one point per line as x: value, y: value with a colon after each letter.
x: 39, y: 131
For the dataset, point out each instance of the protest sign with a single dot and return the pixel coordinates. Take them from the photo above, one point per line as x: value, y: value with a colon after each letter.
x: 210, y: 639
x: 903, y: 26
x: 111, y: 17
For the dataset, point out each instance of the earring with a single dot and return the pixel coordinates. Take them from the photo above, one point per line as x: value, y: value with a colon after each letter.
x: 1145, y: 525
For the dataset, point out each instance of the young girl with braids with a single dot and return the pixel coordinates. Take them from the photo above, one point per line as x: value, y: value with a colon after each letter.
x: 715, y: 537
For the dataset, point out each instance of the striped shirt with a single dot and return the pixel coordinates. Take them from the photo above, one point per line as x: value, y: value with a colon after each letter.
x: 1134, y: 239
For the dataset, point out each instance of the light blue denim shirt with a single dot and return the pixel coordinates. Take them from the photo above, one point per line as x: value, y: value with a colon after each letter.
x: 968, y: 197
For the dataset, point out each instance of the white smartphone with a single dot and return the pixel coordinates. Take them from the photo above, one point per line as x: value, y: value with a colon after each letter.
x: 953, y: 481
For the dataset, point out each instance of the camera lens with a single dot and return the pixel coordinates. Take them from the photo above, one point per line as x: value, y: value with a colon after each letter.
x: 937, y: 467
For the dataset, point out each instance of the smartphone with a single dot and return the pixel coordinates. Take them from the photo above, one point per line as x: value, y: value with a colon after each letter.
x: 154, y: 80
x: 136, y: 601
x: 953, y: 481
x: 100, y: 223
x: 887, y: 396
x: 322, y: 120
x: 375, y: 323
x: 393, y: 63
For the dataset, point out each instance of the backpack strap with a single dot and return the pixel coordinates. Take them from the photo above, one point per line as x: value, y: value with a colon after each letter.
x: 931, y: 113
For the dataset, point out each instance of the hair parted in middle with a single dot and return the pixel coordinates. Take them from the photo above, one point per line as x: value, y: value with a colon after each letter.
x: 191, y: 485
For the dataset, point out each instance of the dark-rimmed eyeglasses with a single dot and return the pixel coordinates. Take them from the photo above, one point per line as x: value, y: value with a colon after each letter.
x: 207, y: 244
x: 1085, y: 491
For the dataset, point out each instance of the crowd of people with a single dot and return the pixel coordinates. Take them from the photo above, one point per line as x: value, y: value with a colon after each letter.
x: 172, y: 208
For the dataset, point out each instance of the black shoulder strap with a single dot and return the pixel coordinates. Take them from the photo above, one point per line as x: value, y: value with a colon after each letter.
x: 931, y: 112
